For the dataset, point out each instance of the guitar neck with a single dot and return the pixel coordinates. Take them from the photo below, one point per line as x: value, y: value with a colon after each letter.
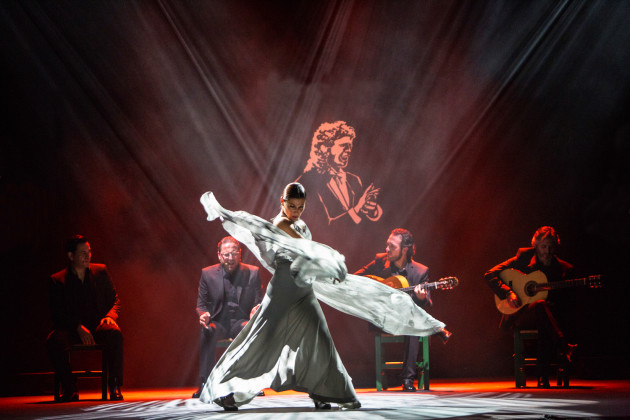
x: 426, y: 286
x: 584, y: 281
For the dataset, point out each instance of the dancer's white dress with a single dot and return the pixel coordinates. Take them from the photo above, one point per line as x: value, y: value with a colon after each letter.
x: 286, y: 344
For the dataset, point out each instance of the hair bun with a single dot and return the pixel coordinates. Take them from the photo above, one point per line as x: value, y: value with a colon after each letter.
x: 293, y: 190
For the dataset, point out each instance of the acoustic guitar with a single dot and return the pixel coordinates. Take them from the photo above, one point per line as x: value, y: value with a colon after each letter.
x: 534, y: 286
x: 400, y: 282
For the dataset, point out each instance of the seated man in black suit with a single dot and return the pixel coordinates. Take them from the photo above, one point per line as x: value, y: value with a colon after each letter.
x: 544, y: 315
x: 84, y: 307
x: 229, y: 294
x: 398, y: 260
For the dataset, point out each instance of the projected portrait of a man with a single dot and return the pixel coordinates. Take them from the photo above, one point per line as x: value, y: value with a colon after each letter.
x: 340, y: 193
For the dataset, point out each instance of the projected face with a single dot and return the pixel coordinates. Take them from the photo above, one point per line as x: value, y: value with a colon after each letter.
x: 340, y: 152
x: 81, y: 257
x: 229, y: 256
x: 293, y: 208
x: 545, y: 250
x: 395, y: 253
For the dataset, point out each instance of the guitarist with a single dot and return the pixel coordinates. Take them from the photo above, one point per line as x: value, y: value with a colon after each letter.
x: 398, y: 260
x: 540, y: 314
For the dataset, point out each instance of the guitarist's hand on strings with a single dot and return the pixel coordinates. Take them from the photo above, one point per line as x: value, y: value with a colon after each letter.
x: 420, y: 292
x: 513, y: 300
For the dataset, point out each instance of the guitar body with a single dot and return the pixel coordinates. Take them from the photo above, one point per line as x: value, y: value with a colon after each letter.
x: 524, y: 285
x: 397, y: 282
x: 534, y: 286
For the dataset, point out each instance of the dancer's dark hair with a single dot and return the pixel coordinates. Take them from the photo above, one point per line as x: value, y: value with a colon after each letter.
x: 293, y: 190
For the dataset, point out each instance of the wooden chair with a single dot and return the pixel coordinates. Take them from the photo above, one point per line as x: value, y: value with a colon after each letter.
x: 521, y: 360
x: 224, y: 344
x: 382, y: 364
x: 88, y: 373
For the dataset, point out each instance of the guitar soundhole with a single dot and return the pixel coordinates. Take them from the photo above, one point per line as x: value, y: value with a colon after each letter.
x: 530, y: 288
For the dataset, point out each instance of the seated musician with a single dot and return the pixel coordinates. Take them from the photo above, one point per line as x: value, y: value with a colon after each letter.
x: 229, y: 294
x: 398, y: 260
x: 541, y: 314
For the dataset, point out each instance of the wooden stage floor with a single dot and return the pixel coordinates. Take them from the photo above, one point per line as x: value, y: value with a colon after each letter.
x: 453, y: 399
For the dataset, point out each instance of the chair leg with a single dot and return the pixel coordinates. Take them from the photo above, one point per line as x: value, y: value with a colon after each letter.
x: 104, y: 377
x: 425, y: 364
x: 379, y: 361
x: 382, y: 366
x: 56, y: 388
x: 519, y: 360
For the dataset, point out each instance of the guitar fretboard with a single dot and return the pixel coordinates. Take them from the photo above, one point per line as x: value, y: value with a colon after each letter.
x: 584, y: 281
x: 447, y: 284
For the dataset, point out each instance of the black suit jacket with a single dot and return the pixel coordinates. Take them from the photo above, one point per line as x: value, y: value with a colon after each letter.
x: 211, y: 289
x: 66, y: 300
x: 416, y: 274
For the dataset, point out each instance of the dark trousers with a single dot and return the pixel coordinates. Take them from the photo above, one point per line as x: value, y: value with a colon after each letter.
x: 209, y: 336
x: 539, y: 315
x: 58, y: 344
x: 410, y: 357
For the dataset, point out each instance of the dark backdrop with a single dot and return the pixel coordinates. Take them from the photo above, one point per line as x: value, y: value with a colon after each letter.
x: 479, y: 120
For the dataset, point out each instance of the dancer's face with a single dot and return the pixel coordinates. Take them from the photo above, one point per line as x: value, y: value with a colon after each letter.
x: 229, y: 256
x: 293, y: 208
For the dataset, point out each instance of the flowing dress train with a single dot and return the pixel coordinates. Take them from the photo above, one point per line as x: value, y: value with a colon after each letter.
x: 287, y: 344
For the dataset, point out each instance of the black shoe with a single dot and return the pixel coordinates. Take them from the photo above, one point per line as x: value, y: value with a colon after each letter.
x: 261, y: 394
x: 70, y: 396
x: 69, y: 392
x: 407, y: 385
x: 543, y: 382
x: 227, y: 403
x: 321, y: 405
x: 197, y: 393
x: 444, y: 335
x: 114, y: 390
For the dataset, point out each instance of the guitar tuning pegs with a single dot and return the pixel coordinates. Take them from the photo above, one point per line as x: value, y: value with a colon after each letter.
x: 594, y: 282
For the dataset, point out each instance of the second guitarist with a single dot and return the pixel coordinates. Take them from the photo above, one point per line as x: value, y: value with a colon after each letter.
x: 540, y: 314
x: 398, y: 260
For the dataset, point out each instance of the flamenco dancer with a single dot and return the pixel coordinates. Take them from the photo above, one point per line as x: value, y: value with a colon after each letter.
x: 287, y: 344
